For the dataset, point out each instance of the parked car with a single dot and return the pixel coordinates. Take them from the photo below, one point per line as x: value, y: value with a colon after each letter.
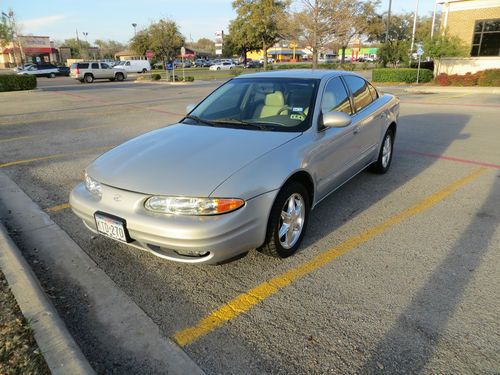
x: 22, y: 67
x: 245, y: 166
x: 88, y: 71
x: 41, y: 70
x: 253, y: 64
x: 178, y: 64
x: 64, y: 71
x: 224, y: 65
x: 134, y: 66
x: 202, y: 63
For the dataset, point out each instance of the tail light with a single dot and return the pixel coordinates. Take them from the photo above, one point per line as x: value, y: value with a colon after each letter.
x: 77, y: 70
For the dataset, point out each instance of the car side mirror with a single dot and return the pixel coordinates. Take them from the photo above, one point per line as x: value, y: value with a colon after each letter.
x: 190, y: 107
x: 336, y: 119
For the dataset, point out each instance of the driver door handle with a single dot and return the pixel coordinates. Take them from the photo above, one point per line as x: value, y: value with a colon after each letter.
x: 356, y: 129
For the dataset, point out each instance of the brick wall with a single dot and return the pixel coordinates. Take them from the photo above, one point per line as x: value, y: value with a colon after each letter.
x: 461, y: 23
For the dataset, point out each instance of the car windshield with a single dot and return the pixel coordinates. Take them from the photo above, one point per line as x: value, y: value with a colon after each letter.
x: 280, y: 104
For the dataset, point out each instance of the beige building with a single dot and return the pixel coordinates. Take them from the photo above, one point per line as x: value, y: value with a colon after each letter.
x: 28, y: 49
x: 477, y: 23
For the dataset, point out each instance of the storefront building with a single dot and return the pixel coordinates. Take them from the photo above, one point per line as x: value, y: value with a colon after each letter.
x: 28, y: 49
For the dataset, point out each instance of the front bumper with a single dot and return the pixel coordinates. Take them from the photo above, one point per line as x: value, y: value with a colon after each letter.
x: 172, y: 237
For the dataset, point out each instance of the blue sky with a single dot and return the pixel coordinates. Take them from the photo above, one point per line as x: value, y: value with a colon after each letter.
x: 112, y: 19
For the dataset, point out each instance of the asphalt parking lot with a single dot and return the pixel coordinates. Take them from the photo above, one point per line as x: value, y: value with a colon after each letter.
x: 398, y: 273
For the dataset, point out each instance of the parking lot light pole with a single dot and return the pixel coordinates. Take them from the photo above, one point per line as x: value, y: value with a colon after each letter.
x: 134, y: 25
x: 414, y: 27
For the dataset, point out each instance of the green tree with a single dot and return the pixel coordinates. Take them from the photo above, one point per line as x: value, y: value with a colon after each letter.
x: 262, y: 20
x: 204, y: 44
x: 109, y: 48
x: 162, y: 37
x: 79, y: 48
x: 394, y: 52
x: 241, y: 39
x: 6, y: 31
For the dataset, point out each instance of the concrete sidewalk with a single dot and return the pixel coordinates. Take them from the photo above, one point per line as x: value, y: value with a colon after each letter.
x: 61, y: 353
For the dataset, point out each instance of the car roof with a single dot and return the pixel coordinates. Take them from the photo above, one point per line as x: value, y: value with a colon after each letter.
x: 297, y: 73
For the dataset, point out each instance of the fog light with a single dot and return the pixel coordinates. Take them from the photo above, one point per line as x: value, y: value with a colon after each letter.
x: 192, y: 253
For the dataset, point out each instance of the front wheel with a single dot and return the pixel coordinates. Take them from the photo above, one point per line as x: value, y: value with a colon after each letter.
x: 384, y: 160
x: 144, y: 70
x: 287, y: 221
x: 120, y: 77
x: 52, y: 75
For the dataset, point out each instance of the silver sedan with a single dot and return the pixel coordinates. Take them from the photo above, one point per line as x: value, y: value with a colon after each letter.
x: 243, y: 169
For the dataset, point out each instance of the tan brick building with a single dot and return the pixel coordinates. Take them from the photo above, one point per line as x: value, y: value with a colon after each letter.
x: 476, y: 22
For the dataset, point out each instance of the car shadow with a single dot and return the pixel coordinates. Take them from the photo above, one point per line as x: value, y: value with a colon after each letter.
x: 409, y: 344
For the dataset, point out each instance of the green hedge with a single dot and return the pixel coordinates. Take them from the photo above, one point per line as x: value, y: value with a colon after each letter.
x: 490, y: 77
x: 13, y: 82
x: 407, y: 75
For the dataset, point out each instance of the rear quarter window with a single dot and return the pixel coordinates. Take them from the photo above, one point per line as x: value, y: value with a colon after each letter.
x: 360, y: 92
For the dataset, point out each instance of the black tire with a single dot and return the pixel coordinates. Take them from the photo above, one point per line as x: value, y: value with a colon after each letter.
x: 382, y: 165
x: 119, y: 77
x: 272, y: 245
x: 88, y: 78
x: 144, y: 71
x: 52, y: 75
x: 218, y: 68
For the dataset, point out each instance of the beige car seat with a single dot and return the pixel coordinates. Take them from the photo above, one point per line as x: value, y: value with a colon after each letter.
x: 273, y: 103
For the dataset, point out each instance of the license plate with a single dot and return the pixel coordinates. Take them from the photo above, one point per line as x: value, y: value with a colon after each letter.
x: 112, y: 227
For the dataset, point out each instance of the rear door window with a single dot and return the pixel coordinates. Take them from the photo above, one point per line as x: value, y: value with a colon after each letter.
x: 360, y: 92
x: 95, y: 66
x: 335, y: 98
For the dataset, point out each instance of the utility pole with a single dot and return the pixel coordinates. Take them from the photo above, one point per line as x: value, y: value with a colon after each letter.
x: 134, y: 25
x: 414, y: 27
x: 388, y: 21
x: 433, y: 19
x: 87, y: 43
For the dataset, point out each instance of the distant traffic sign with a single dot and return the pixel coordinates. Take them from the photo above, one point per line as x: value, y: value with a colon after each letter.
x: 149, y: 54
x: 420, y: 51
x: 183, y: 51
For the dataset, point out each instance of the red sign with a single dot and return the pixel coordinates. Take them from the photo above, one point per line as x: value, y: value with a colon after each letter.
x: 149, y: 54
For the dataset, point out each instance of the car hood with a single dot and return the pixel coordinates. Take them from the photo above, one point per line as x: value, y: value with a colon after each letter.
x: 182, y: 159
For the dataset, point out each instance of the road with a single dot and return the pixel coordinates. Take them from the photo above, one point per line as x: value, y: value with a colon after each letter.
x: 397, y: 274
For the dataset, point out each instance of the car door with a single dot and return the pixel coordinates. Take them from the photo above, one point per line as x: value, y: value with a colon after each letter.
x: 335, y: 150
x: 367, y: 120
x: 96, y: 70
x: 106, y: 71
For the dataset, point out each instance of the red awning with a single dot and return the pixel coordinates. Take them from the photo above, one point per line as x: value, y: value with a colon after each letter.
x: 37, y: 50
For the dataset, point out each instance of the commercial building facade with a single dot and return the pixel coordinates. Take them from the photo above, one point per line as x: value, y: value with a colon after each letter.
x: 477, y: 24
x: 28, y: 49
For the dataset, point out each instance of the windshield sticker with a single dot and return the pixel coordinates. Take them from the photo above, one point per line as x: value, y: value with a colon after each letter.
x: 297, y: 109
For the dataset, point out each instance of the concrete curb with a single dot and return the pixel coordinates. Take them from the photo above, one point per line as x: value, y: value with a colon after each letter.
x: 449, y: 89
x: 119, y: 318
x: 62, y: 354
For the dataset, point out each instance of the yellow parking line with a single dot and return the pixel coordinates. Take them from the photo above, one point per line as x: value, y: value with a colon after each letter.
x: 53, y: 156
x: 59, y: 207
x: 247, y: 300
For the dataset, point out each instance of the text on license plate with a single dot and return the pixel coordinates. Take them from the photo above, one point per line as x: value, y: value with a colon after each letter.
x: 110, y: 227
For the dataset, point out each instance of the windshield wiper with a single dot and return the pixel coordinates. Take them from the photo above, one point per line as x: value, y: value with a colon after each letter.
x: 200, y: 120
x: 234, y: 121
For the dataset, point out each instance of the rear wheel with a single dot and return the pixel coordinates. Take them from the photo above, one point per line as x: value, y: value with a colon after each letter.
x: 144, y: 70
x: 89, y: 78
x: 384, y: 160
x: 287, y: 221
x: 119, y: 76
x: 52, y: 75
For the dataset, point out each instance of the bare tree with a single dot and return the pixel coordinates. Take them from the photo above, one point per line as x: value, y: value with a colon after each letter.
x: 314, y: 25
x: 354, y: 20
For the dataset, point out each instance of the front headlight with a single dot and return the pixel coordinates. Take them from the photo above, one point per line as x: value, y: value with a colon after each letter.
x: 192, y: 206
x: 93, y: 186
